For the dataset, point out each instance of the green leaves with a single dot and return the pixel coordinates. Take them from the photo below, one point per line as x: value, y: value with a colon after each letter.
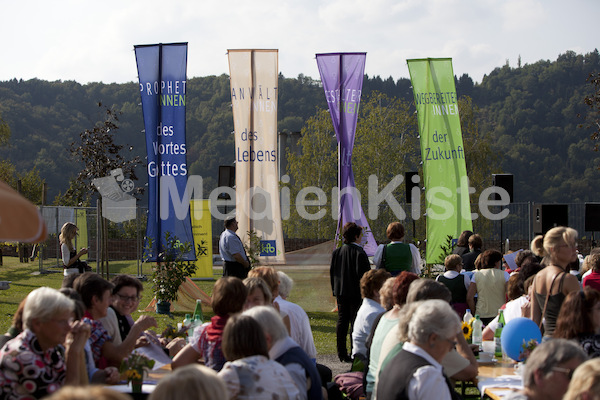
x: 171, y: 270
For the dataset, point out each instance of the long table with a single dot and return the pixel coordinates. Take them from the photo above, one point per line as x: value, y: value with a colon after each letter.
x: 498, y: 379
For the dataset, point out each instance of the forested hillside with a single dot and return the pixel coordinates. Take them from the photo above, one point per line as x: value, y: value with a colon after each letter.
x: 529, y: 112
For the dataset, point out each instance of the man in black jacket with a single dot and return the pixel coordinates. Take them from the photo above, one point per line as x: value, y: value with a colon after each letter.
x: 348, y: 264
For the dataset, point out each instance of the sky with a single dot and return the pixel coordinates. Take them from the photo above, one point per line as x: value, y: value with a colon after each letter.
x: 92, y: 41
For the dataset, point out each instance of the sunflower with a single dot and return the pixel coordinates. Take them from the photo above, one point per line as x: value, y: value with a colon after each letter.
x: 467, y: 330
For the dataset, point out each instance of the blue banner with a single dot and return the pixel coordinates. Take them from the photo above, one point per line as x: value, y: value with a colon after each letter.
x: 162, y: 75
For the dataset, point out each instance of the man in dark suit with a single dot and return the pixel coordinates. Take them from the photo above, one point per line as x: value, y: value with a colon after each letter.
x: 348, y: 264
x: 475, y: 245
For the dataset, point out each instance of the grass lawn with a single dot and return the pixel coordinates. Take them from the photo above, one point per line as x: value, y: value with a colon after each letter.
x: 311, y: 291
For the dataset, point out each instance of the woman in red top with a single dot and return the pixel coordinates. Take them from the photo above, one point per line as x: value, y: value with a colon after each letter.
x: 593, y: 279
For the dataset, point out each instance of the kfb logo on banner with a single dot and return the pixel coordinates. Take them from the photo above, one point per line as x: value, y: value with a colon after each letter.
x: 268, y: 248
x: 162, y: 72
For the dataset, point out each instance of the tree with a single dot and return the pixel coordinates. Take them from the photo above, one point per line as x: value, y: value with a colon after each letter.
x: 593, y: 117
x: 100, y: 155
x: 31, y: 182
x: 314, y: 167
x: 386, y: 146
x: 481, y: 160
x: 4, y: 132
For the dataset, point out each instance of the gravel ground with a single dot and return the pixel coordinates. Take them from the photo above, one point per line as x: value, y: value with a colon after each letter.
x: 333, y: 362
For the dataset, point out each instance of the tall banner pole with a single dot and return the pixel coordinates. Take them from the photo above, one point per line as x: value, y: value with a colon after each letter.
x: 442, y: 152
x: 342, y: 78
x: 162, y: 72
x: 254, y: 82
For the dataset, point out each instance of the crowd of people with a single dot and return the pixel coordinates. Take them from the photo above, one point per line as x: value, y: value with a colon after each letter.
x: 399, y: 332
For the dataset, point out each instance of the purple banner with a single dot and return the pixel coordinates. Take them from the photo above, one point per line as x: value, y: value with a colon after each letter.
x: 342, y: 78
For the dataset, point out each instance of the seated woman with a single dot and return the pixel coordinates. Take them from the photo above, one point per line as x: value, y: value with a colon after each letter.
x: 35, y: 363
x: 248, y: 373
x: 125, y: 300
x: 489, y: 284
x: 283, y: 349
x: 259, y: 293
x: 548, y: 370
x: 370, y: 283
x: 300, y: 329
x: 192, y: 382
x: 269, y: 274
x: 228, y: 298
x: 109, y: 375
x: 593, y: 278
x: 388, y: 322
x: 459, y: 364
x: 457, y: 283
x: 579, y: 319
x: 585, y: 384
x: 96, y: 293
x: 416, y: 372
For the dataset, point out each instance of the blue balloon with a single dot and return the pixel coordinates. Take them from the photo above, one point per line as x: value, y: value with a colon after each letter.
x: 517, y: 332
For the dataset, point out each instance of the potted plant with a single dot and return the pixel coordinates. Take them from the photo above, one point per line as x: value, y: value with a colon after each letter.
x: 170, y: 272
x: 134, y: 368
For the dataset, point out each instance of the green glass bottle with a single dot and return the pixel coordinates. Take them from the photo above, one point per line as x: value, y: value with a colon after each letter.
x: 198, y: 311
x: 497, y: 335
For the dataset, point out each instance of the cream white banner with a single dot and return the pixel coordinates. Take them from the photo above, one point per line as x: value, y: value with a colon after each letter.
x: 254, y: 81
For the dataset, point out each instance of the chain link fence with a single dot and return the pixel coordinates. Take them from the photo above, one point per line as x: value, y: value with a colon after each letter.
x: 126, y: 240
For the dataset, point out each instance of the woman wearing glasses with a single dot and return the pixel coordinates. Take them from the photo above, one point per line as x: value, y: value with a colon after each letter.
x: 40, y: 360
x: 548, y: 370
x: 126, y: 296
x: 552, y: 284
x: 429, y: 330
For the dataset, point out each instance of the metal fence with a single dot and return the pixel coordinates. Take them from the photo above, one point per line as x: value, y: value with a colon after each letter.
x: 125, y: 240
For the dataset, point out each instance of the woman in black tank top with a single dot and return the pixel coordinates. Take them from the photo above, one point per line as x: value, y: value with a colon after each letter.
x: 553, y: 283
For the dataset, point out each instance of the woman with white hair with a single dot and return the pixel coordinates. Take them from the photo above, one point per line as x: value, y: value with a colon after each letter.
x: 285, y: 351
x: 300, y: 329
x: 35, y: 364
x: 416, y: 372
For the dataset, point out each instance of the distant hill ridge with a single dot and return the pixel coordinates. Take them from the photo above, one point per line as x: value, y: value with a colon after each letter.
x: 531, y: 112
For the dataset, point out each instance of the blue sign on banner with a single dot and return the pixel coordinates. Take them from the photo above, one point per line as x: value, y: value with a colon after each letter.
x: 162, y: 71
x: 268, y: 247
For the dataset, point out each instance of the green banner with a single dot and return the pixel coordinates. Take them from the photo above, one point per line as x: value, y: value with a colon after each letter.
x: 442, y: 151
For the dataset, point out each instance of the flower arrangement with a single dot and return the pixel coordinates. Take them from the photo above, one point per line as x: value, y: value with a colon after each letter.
x: 135, y: 366
x: 171, y: 332
x: 527, y: 348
